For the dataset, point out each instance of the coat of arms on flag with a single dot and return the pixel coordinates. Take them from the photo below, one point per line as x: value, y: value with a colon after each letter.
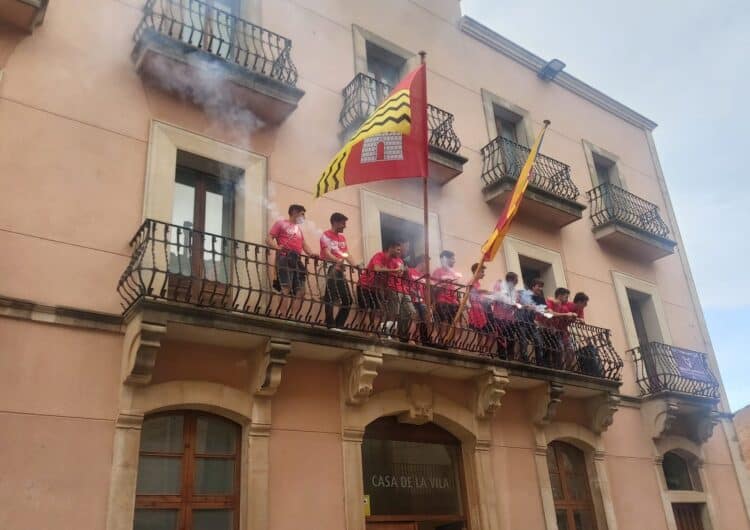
x: 390, y: 144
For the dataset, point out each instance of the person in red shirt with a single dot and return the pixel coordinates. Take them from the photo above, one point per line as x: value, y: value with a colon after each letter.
x: 562, y: 316
x: 380, y: 284
x: 416, y: 285
x: 287, y: 239
x: 334, y: 250
x: 446, y: 289
x: 580, y: 301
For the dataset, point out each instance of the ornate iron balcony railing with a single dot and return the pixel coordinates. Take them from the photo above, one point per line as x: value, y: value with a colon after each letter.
x: 220, y: 33
x: 503, y: 159
x: 612, y: 203
x: 363, y: 95
x: 182, y: 265
x: 661, y: 367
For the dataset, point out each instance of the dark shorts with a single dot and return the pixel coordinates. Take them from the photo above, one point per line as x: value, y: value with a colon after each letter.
x: 446, y: 312
x: 367, y: 298
x: 290, y: 271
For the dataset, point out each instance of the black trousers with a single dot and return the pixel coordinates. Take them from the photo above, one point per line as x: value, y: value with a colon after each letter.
x: 337, y: 292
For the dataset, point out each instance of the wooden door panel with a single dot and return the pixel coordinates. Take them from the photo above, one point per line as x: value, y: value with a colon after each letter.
x: 688, y: 516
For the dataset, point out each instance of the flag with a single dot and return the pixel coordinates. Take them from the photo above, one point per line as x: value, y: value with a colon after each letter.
x: 390, y: 144
x: 492, y: 245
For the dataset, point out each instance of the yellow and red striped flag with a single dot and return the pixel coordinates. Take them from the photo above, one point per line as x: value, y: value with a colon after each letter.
x: 492, y: 245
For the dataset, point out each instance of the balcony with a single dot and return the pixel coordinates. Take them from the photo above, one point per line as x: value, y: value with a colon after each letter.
x: 551, y: 195
x: 212, y: 57
x: 626, y: 222
x: 201, y: 285
x: 680, y: 391
x: 363, y: 95
x: 24, y: 15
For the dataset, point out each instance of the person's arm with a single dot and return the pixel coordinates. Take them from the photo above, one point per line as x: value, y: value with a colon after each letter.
x: 307, y: 249
x: 271, y: 238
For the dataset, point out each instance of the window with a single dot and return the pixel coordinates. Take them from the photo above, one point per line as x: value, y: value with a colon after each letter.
x: 188, y: 473
x: 203, y: 201
x: 570, y: 487
x: 643, y: 311
x: 532, y: 268
x: 412, y: 476
x: 606, y: 170
x: 679, y: 473
x: 385, y: 66
x: 392, y: 227
x: 212, y: 26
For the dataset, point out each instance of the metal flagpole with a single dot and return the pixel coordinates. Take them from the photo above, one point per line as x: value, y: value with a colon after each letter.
x: 427, y: 293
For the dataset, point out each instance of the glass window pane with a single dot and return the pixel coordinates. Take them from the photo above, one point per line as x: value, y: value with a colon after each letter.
x: 214, y: 213
x: 214, y: 476
x: 583, y: 520
x: 215, y: 436
x: 158, y: 475
x: 577, y: 487
x: 213, y: 519
x: 557, y: 491
x: 183, y: 208
x: 180, y: 237
x: 155, y: 519
x: 551, y: 460
x: 162, y: 434
x: 562, y: 519
x: 677, y: 472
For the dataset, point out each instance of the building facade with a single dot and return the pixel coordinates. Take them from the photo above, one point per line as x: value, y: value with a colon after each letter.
x: 150, y: 379
x: 742, y: 426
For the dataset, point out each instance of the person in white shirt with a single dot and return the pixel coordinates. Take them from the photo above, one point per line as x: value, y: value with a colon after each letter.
x: 506, y: 291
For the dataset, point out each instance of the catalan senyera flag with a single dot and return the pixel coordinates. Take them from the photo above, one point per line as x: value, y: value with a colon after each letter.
x: 492, y: 245
x: 390, y: 144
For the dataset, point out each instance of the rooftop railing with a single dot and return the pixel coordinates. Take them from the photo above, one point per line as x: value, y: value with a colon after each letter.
x: 661, y: 367
x: 612, y: 203
x: 178, y: 264
x: 363, y: 95
x: 222, y: 34
x: 503, y: 159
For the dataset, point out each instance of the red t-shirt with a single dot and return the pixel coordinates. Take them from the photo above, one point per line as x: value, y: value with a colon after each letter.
x: 288, y: 235
x: 333, y: 246
x: 416, y: 284
x: 477, y: 314
x: 372, y: 278
x: 446, y: 289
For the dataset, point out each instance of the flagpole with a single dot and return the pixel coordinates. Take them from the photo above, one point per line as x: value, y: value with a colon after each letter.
x: 425, y: 190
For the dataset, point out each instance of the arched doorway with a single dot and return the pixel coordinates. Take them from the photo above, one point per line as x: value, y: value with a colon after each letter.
x: 413, y: 477
x: 574, y: 507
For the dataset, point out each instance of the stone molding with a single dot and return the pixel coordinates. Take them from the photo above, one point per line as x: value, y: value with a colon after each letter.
x: 270, y: 366
x: 141, y: 344
x: 664, y: 415
x: 490, y: 388
x: 360, y: 372
x: 421, y: 402
x: 545, y: 400
x: 601, y: 410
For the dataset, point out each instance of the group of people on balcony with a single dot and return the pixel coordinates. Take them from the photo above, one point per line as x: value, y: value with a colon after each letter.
x: 392, y: 297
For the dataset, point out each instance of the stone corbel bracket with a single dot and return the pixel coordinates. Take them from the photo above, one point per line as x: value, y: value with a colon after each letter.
x: 704, y: 425
x: 421, y: 405
x: 270, y: 366
x: 359, y: 374
x: 601, y: 410
x: 142, y: 342
x: 544, y: 402
x: 660, y: 416
x: 490, y: 389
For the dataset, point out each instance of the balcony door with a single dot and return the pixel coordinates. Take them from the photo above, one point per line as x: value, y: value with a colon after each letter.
x: 507, y: 124
x: 413, y: 478
x: 198, y: 246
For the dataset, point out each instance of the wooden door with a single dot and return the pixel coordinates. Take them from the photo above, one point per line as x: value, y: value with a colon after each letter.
x: 392, y: 526
x: 688, y: 516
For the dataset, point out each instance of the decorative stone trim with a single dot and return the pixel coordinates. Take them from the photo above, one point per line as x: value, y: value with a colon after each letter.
x: 662, y: 414
x: 490, y: 388
x: 704, y: 426
x: 141, y: 344
x: 601, y: 410
x: 271, y: 364
x: 129, y: 420
x: 421, y: 405
x: 360, y: 373
x: 544, y: 402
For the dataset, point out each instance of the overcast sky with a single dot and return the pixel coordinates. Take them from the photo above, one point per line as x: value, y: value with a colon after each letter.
x: 686, y: 65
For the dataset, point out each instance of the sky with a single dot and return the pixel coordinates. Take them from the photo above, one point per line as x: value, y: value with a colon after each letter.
x: 684, y: 64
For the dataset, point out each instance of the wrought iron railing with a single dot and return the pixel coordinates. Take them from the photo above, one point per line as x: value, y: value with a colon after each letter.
x: 221, y: 33
x: 503, y: 159
x: 179, y: 264
x: 612, y: 203
x: 661, y: 367
x: 363, y: 95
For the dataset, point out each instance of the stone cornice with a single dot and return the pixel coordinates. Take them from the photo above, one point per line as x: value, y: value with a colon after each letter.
x: 524, y: 57
x: 60, y: 315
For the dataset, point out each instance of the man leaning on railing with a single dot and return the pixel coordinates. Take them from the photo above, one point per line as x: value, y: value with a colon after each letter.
x: 287, y: 239
x: 335, y: 251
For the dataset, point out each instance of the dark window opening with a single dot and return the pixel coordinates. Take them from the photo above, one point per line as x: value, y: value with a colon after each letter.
x: 679, y: 473
x: 532, y: 268
x: 411, y: 233
x: 385, y: 66
x: 606, y: 170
